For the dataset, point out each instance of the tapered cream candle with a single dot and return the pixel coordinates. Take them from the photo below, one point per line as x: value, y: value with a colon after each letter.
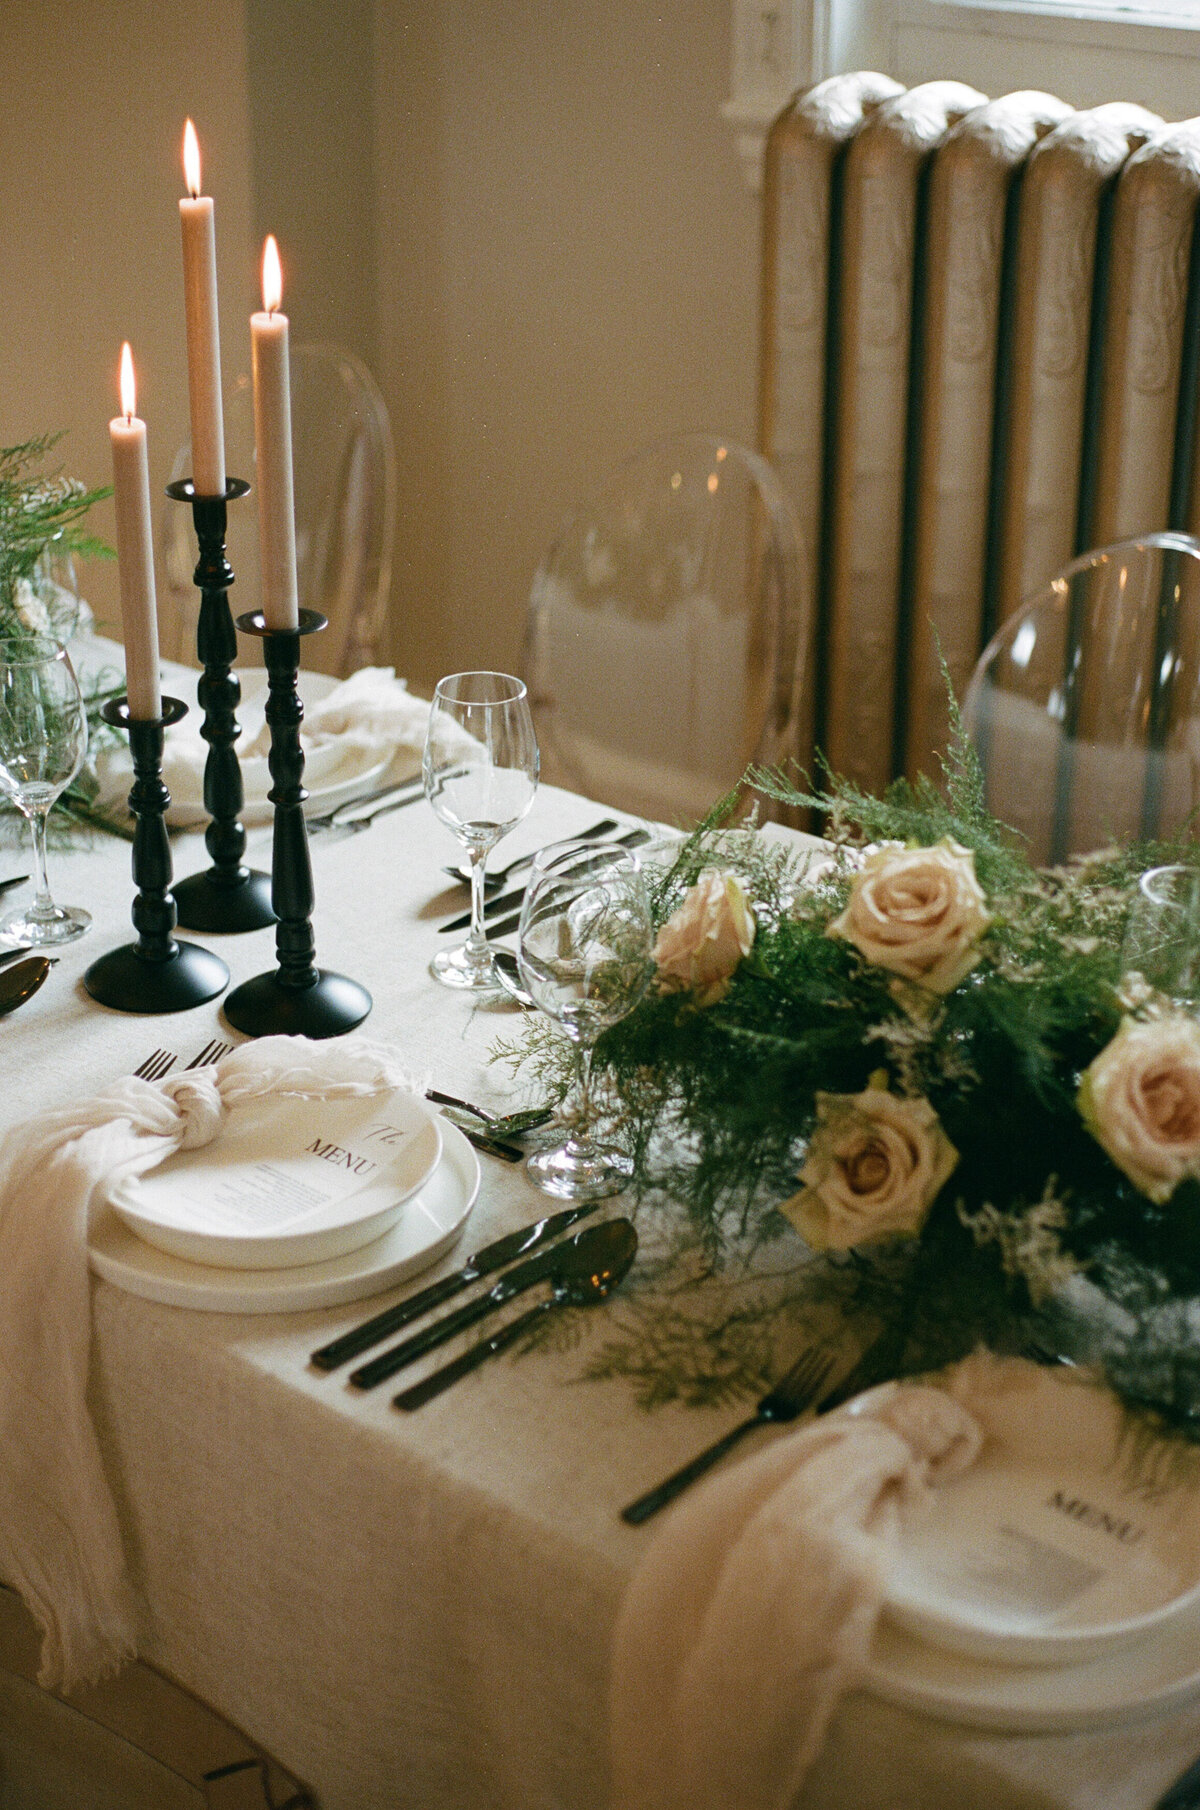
x: 203, y: 335
x: 273, y: 447
x: 135, y: 550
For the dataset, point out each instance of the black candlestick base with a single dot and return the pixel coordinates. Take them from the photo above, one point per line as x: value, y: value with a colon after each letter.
x: 207, y: 902
x: 298, y: 999
x: 157, y: 973
x: 262, y: 1007
x: 229, y: 896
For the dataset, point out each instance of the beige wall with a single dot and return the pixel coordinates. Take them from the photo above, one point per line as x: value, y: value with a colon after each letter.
x: 95, y: 95
x: 567, y: 270
x: 527, y: 216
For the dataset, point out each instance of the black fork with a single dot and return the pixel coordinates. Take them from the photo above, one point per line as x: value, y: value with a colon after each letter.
x: 786, y: 1401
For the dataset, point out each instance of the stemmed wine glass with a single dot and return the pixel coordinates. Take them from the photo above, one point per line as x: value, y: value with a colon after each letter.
x: 481, y: 772
x: 43, y: 739
x: 584, y: 953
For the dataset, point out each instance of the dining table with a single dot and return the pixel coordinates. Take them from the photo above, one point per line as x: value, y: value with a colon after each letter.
x: 415, y: 1611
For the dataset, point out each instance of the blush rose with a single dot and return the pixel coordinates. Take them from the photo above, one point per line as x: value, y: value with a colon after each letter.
x: 1140, y: 1099
x: 702, y: 942
x: 918, y: 912
x: 876, y: 1163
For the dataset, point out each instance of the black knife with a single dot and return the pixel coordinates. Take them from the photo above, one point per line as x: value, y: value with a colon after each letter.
x: 507, y: 900
x: 16, y: 880
x: 484, y: 1263
x: 513, y: 1282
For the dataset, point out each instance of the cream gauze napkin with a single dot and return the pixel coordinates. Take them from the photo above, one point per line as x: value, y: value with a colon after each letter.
x: 60, y: 1545
x: 368, y: 719
x: 754, y: 1609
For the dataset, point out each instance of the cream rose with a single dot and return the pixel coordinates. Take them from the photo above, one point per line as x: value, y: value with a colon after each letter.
x: 703, y: 941
x: 876, y: 1163
x: 1140, y: 1099
x: 918, y: 912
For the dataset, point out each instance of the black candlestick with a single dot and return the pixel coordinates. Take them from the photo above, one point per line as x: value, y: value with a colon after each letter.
x: 157, y: 973
x: 229, y: 895
x: 298, y: 999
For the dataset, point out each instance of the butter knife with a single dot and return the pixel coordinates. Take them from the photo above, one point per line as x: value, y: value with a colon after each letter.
x: 485, y: 1262
x: 364, y: 810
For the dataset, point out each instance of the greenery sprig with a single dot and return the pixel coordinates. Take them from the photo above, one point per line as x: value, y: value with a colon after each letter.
x: 41, y: 522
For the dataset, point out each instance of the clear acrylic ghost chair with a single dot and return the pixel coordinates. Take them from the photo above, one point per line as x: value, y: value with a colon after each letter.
x: 663, y: 627
x: 1085, y: 708
x: 344, y: 466
x: 137, y: 1741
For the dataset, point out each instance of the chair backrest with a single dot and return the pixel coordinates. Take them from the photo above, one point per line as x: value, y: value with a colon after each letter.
x: 981, y: 336
x: 344, y: 471
x: 137, y: 1741
x: 663, y: 629
x: 1085, y: 707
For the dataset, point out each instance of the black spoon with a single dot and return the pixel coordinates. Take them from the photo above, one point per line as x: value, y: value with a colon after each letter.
x: 22, y: 982
x: 593, y: 1264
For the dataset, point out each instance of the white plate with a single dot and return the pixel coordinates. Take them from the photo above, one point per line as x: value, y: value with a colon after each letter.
x: 290, y: 1180
x: 428, y: 1225
x: 1050, y: 1549
x: 1159, y: 1673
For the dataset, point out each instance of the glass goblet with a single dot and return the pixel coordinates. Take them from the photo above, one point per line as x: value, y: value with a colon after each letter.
x: 1162, y: 936
x: 481, y: 772
x: 584, y: 953
x: 43, y: 739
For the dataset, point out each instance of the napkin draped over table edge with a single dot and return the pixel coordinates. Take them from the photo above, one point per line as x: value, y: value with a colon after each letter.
x: 753, y: 1611
x: 60, y: 1542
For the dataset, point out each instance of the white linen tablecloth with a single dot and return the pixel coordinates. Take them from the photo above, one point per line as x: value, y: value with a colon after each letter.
x: 415, y: 1612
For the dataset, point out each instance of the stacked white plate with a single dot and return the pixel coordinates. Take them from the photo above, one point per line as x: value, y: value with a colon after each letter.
x: 298, y: 1203
x: 1054, y: 1585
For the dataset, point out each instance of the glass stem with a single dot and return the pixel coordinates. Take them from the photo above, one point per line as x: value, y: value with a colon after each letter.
x: 580, y: 1136
x: 477, y: 944
x: 43, y: 906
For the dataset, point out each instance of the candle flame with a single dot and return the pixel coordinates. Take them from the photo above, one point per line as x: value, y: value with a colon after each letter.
x: 191, y: 159
x: 272, y: 276
x: 128, y: 385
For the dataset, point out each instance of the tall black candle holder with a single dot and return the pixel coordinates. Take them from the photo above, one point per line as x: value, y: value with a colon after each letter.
x: 298, y: 998
x: 157, y: 973
x: 229, y: 895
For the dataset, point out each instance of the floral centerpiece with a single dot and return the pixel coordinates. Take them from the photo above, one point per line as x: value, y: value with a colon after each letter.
x: 921, y: 1058
x: 41, y: 533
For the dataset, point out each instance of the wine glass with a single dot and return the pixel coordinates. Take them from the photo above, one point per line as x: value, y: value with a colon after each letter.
x: 1162, y: 937
x: 481, y: 772
x: 43, y: 739
x: 584, y: 953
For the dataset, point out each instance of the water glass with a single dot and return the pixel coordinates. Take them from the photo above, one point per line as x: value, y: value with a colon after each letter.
x: 481, y: 773
x: 43, y: 739
x: 584, y: 953
x: 1162, y: 937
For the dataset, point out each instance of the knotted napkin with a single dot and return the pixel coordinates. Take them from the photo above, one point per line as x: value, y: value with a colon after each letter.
x: 754, y: 1609
x: 60, y: 1545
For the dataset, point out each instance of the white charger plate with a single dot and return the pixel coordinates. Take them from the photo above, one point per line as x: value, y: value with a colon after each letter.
x: 1047, y: 1551
x: 1160, y: 1673
x: 429, y: 1224
x: 290, y: 1180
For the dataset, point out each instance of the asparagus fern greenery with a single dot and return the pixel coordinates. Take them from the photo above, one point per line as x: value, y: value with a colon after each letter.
x: 836, y: 1129
x: 42, y: 513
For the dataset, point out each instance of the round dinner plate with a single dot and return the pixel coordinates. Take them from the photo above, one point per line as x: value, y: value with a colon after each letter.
x: 290, y: 1180
x: 1058, y: 1543
x: 1125, y: 1685
x: 429, y: 1223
